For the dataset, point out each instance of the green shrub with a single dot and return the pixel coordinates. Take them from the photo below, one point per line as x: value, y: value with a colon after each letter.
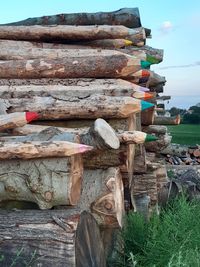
x: 171, y: 240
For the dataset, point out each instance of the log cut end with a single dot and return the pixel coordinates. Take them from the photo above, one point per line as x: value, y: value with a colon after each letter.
x: 107, y: 134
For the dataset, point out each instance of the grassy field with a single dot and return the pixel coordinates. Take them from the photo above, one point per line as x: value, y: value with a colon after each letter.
x: 185, y: 134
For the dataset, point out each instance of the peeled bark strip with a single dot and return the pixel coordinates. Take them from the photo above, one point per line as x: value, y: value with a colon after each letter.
x: 96, y: 106
x: 79, y: 64
x: 161, y: 120
x: 51, y: 238
x: 40, y: 149
x: 83, y: 89
x: 128, y: 17
x: 47, y: 182
x: 103, y: 195
x: 71, y: 33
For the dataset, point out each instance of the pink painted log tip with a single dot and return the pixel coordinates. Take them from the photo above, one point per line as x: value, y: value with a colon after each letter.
x: 30, y: 116
x: 84, y: 148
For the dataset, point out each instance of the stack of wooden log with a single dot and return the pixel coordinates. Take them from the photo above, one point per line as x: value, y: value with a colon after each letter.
x: 85, y: 78
x: 182, y: 155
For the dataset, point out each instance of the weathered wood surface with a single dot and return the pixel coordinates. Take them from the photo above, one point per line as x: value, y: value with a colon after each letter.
x: 175, y: 150
x: 155, y: 129
x: 161, y: 120
x: 47, y: 182
x: 96, y: 106
x: 140, y: 161
x: 40, y: 149
x: 85, y: 63
x: 156, y: 146
x: 128, y: 17
x: 104, y: 44
x: 64, y: 33
x: 21, y: 53
x: 16, y: 119
x: 50, y: 238
x: 83, y: 89
x: 103, y: 194
x: 147, y: 116
x: 155, y: 80
x: 100, y: 135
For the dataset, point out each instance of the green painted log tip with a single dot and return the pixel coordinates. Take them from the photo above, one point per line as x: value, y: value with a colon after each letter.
x: 145, y: 105
x: 150, y: 138
x: 152, y: 59
x: 145, y: 64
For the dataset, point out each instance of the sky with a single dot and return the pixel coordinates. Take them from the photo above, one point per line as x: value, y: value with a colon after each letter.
x: 175, y: 26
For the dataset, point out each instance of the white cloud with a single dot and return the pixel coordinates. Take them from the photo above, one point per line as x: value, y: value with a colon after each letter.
x: 166, y: 27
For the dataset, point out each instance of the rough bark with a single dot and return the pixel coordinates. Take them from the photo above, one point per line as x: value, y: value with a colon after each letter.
x: 155, y: 80
x: 83, y: 89
x: 103, y: 44
x: 64, y: 33
x: 21, y: 53
x: 155, y: 129
x: 79, y: 64
x: 47, y: 182
x: 147, y: 116
x: 128, y: 17
x: 100, y: 135
x: 96, y: 106
x: 50, y: 238
x: 161, y: 120
x: 103, y: 194
x: 175, y: 150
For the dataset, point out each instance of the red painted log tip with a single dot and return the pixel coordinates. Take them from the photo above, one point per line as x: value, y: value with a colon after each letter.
x: 30, y: 116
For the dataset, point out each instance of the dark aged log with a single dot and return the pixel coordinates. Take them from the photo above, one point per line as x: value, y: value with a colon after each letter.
x: 83, y: 89
x: 163, y: 97
x: 161, y: 120
x: 50, y: 238
x: 160, y: 144
x: 80, y: 64
x: 64, y: 33
x: 103, y: 194
x: 104, y: 43
x: 155, y: 129
x: 96, y: 106
x: 47, y: 182
x: 147, y: 116
x: 128, y: 17
x: 140, y: 162
x: 155, y: 80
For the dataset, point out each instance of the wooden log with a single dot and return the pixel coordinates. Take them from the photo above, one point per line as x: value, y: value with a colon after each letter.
x: 153, y: 53
x: 83, y: 89
x: 17, y: 119
x: 175, y: 150
x: 104, y: 43
x: 155, y: 80
x: 163, y: 97
x: 80, y: 64
x: 162, y: 120
x: 51, y: 238
x: 47, y: 182
x: 96, y: 106
x: 155, y: 129
x: 100, y: 135
x: 160, y: 144
x: 140, y: 161
x: 147, y: 116
x: 103, y: 194
x: 128, y: 17
x: 135, y: 137
x: 3, y: 106
x: 63, y: 33
x: 40, y: 149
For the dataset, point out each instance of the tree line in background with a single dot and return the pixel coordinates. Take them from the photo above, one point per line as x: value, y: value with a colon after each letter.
x: 190, y: 116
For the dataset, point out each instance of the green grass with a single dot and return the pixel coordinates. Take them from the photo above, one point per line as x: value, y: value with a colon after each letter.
x: 185, y: 134
x: 171, y: 240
